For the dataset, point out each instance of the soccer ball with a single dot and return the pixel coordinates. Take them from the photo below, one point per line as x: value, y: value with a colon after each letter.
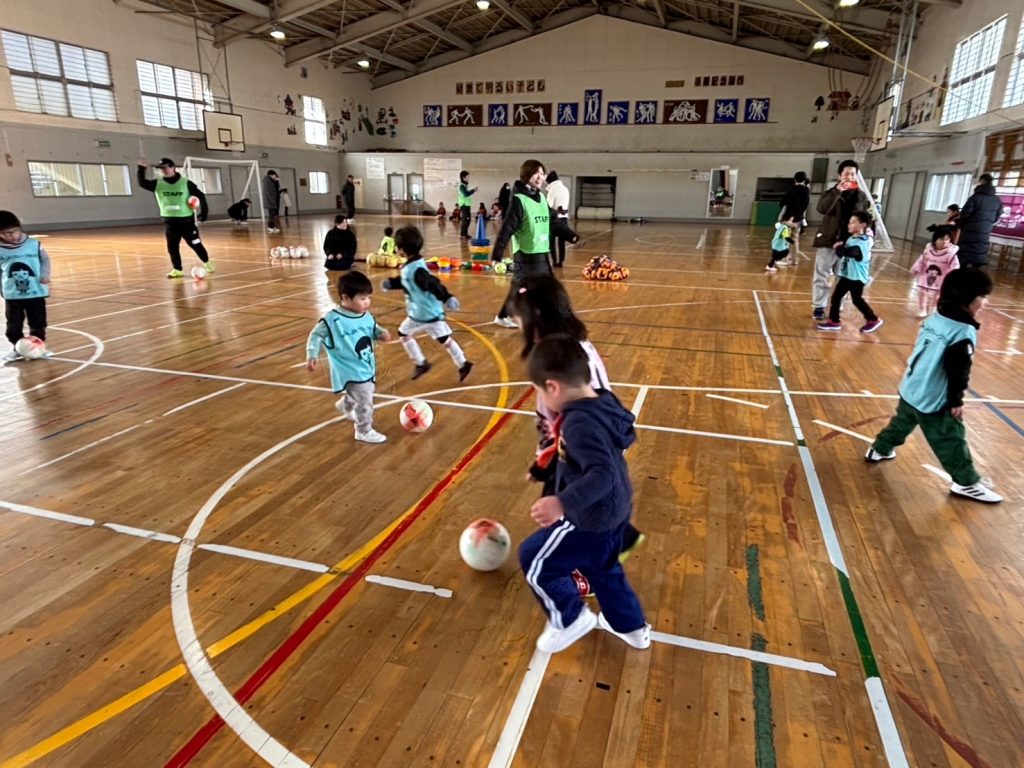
x: 198, y: 272
x: 500, y: 268
x: 416, y: 416
x: 193, y: 203
x: 303, y: 252
x: 30, y: 347
x: 275, y: 252
x: 485, y: 545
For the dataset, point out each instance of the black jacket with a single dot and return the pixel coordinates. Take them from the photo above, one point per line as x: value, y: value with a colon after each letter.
x: 348, y: 194
x: 513, y: 218
x: 340, y: 242
x: 979, y: 214
x: 794, y: 203
x: 956, y: 360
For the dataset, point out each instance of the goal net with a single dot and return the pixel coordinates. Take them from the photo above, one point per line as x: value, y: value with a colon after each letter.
x: 208, y: 174
x: 883, y: 243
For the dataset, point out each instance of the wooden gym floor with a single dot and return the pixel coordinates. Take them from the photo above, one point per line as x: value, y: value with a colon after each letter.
x: 176, y: 481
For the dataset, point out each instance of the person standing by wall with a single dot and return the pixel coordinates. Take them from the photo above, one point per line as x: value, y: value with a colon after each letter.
x: 504, y: 198
x: 979, y: 214
x: 286, y: 201
x: 836, y: 205
x: 465, y: 202
x: 561, y: 232
x: 794, y: 203
x: 348, y: 194
x: 272, y: 201
x: 172, y: 192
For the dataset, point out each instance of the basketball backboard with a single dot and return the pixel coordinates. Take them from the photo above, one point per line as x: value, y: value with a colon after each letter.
x: 224, y: 132
x: 880, y: 127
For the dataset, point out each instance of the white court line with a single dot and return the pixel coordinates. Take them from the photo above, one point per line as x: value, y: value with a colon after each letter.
x: 939, y: 472
x: 515, y: 723
x: 789, y: 662
x: 844, y: 431
x: 143, y: 533
x: 24, y: 509
x: 411, y: 586
x: 639, y: 402
x: 701, y: 239
x: 700, y: 433
x: 263, y: 557
x: 92, y: 298
x: 84, y: 364
x: 736, y: 400
x: 884, y: 721
x: 93, y: 444
x: 198, y: 400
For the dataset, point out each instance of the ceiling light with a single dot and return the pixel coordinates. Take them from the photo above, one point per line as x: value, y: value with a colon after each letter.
x: 364, y: 63
x: 483, y: 5
x: 820, y: 44
x: 848, y: 3
x: 277, y: 33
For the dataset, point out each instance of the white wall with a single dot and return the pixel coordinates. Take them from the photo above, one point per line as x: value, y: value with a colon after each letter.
x: 628, y: 62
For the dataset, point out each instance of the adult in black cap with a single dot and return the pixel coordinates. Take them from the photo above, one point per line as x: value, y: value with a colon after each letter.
x: 173, y: 192
x: 979, y: 214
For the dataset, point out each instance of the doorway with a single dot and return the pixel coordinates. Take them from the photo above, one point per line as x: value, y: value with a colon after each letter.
x: 722, y: 192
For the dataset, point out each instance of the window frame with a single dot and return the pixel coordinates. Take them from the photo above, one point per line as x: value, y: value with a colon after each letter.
x: 313, y: 188
x: 126, y: 176
x: 1014, y: 93
x: 69, y: 84
x: 202, y: 171
x: 314, y: 121
x: 972, y: 71
x: 156, y: 101
x: 947, y: 192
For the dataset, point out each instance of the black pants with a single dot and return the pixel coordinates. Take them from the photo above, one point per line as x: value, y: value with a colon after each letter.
x: 350, y: 208
x: 856, y: 290
x: 465, y: 217
x: 272, y: 220
x: 561, y: 233
x: 17, y: 310
x: 525, y: 265
x: 184, y: 227
x: 778, y: 256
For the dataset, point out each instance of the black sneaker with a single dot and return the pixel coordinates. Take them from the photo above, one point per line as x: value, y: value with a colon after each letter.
x: 420, y: 369
x: 463, y: 371
x: 819, y: 313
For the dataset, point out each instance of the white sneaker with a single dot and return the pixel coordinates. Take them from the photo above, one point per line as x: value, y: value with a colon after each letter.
x: 978, y: 492
x: 771, y: 269
x: 505, y: 322
x: 371, y: 436
x: 638, y: 638
x: 874, y: 456
x: 345, y: 410
x: 553, y: 640
x: 12, y: 356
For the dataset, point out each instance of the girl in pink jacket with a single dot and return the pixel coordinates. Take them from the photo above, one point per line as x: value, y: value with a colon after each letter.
x: 932, y: 266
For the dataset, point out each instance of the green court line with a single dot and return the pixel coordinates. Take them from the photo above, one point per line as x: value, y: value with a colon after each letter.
x: 764, y: 734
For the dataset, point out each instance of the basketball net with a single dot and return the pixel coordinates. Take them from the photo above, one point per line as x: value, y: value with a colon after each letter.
x: 883, y: 243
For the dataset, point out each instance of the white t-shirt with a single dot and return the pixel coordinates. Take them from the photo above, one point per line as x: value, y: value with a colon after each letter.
x: 558, y: 196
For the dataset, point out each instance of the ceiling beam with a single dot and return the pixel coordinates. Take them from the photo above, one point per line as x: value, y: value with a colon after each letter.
x: 659, y: 8
x: 508, y: 10
x: 360, y: 30
x: 851, y: 19
x: 251, y: 7
x: 387, y: 58
x: 444, y: 34
x: 735, y: 21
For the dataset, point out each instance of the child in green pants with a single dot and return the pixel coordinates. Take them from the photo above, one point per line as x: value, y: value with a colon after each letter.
x: 932, y: 389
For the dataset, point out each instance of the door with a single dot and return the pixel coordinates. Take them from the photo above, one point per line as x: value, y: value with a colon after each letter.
x: 396, y: 186
x: 901, y: 211
x: 415, y: 183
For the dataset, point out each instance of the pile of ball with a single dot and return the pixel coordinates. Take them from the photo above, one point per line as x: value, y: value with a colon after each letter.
x: 289, y: 252
x: 384, y: 261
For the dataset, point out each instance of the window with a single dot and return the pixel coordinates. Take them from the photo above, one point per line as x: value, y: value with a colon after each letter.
x: 78, y: 180
x: 318, y: 183
x: 946, y: 188
x: 1015, y: 85
x: 972, y: 73
x: 316, y: 120
x: 59, y: 79
x: 207, y: 179
x: 172, y: 97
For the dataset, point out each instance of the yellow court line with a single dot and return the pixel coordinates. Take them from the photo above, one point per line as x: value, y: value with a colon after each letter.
x: 175, y: 673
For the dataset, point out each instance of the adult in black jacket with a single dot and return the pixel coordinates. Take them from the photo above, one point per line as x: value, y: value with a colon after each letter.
x: 979, y: 214
x: 794, y: 203
x: 348, y: 194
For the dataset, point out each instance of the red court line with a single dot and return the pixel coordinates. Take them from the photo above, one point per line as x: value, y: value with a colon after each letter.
x: 204, y: 735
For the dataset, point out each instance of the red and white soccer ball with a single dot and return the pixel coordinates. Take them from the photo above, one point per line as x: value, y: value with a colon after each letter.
x: 198, y: 272
x: 485, y: 545
x: 193, y: 203
x: 30, y: 347
x: 416, y: 416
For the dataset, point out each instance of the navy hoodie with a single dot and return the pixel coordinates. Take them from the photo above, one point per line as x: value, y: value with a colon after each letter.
x: 592, y: 480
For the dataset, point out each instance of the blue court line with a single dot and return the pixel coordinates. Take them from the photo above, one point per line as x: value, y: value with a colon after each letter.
x: 1006, y: 419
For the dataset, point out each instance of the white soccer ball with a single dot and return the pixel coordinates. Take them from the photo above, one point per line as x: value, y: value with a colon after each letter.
x: 30, y: 347
x: 485, y: 545
x: 198, y: 272
x: 303, y: 252
x: 416, y: 416
x: 275, y: 252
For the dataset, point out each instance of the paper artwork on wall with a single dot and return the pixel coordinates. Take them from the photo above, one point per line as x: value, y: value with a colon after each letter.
x: 568, y: 113
x: 465, y: 115
x: 497, y: 114
x: 645, y: 113
x: 756, y: 110
x: 592, y: 107
x: 531, y: 114
x: 431, y: 115
x: 685, y: 111
x: 618, y: 112
x: 726, y: 110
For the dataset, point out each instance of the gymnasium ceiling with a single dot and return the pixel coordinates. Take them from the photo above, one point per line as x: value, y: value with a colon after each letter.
x: 403, y: 38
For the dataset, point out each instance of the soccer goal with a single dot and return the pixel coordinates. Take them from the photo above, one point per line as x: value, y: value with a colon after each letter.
x: 205, y: 172
x: 883, y: 243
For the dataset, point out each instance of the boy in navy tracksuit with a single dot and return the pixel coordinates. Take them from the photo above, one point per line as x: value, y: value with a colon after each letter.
x: 932, y: 389
x: 583, y: 523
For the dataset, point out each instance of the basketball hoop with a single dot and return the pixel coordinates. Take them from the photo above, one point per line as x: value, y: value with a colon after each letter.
x: 861, y: 147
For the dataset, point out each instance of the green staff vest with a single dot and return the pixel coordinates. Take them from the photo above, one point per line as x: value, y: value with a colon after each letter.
x: 173, y: 198
x: 465, y: 199
x: 533, y: 236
